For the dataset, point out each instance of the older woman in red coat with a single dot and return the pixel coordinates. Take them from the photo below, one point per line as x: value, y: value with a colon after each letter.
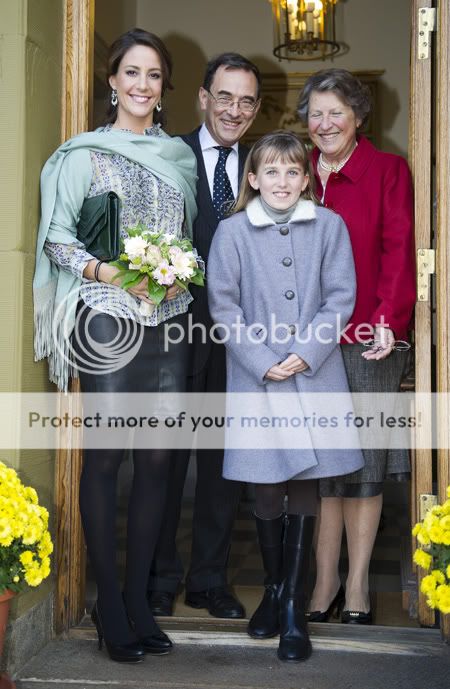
x: 372, y: 191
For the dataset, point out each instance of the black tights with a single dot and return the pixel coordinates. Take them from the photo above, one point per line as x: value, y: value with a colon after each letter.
x: 98, y: 497
x: 302, y: 498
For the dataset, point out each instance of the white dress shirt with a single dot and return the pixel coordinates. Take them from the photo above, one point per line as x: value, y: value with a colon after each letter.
x: 211, y: 156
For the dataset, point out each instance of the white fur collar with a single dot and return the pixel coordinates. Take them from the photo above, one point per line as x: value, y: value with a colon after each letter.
x: 305, y: 210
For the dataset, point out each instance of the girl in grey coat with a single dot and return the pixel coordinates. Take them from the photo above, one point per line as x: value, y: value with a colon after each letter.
x: 282, y: 260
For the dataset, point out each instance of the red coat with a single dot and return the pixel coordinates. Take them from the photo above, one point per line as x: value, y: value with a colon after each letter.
x: 373, y: 194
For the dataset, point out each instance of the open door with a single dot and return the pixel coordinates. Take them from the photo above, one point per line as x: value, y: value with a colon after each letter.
x: 429, y: 77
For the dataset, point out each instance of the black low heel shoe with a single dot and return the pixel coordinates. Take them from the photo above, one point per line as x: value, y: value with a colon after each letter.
x: 156, y: 644
x: 356, y: 617
x: 335, y: 608
x: 121, y: 653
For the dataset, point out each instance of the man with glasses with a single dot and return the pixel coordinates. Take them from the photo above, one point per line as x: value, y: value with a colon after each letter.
x: 230, y: 99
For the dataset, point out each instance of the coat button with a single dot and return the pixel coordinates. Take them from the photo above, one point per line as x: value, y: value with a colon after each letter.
x: 292, y: 329
x: 287, y: 261
x: 289, y: 294
x: 284, y: 230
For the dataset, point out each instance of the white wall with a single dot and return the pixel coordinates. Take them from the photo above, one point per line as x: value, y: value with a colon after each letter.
x: 376, y: 31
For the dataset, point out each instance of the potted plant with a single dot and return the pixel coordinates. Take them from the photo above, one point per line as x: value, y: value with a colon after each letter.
x: 433, y: 555
x: 25, y: 542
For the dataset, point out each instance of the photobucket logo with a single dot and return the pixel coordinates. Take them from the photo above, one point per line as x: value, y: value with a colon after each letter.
x: 240, y: 332
x: 100, y: 347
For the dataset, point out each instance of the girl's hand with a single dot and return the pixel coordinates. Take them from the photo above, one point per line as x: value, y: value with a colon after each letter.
x: 384, y: 341
x: 277, y: 373
x: 294, y: 364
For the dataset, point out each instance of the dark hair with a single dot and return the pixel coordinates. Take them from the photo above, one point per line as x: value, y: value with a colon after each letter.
x: 230, y: 61
x: 345, y: 85
x: 278, y: 145
x: 118, y: 51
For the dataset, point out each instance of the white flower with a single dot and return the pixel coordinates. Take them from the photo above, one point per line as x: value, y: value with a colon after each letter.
x: 164, y: 274
x: 153, y: 255
x: 135, y: 247
x: 182, y: 266
x: 134, y: 266
x: 175, y: 251
x: 168, y: 238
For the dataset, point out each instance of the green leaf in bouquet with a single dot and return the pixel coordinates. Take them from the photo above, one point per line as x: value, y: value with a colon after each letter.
x: 156, y: 292
x: 121, y: 264
x: 198, y: 278
x: 181, y: 284
x: 133, y: 278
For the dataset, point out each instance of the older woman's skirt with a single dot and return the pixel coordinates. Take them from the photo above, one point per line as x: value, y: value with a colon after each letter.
x: 371, y: 376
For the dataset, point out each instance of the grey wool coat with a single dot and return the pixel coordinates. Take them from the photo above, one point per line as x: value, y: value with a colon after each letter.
x: 299, y: 274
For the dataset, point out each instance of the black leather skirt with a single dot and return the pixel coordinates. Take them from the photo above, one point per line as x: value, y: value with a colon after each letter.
x: 120, y: 355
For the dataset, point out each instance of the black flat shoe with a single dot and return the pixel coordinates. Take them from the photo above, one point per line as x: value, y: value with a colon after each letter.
x: 121, y: 653
x: 334, y: 608
x: 218, y: 601
x: 156, y: 644
x: 161, y: 603
x: 356, y: 617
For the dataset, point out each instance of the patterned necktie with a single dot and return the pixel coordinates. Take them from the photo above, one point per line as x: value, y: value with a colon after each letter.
x: 222, y: 191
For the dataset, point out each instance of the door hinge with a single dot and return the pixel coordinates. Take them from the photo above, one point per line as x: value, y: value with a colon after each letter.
x: 426, y: 260
x: 426, y: 24
x: 426, y: 502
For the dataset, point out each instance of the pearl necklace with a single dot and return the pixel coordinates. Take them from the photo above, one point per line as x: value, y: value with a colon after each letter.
x: 334, y: 167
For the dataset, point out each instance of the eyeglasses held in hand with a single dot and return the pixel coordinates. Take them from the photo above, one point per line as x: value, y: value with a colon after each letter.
x: 399, y: 345
x: 224, y: 102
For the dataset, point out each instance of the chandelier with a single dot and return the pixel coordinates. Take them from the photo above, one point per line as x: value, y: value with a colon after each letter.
x: 305, y: 30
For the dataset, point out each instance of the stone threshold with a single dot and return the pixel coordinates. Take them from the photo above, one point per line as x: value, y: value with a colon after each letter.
x: 373, y: 639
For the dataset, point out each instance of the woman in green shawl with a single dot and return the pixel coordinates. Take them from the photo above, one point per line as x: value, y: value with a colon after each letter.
x: 112, y: 339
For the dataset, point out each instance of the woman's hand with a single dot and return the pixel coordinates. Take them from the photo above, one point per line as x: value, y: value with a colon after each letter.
x: 294, y: 364
x: 173, y: 292
x: 383, y: 344
x: 141, y: 290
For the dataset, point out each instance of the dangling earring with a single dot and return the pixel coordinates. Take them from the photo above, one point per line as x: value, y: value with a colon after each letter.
x: 158, y: 107
x: 114, y: 99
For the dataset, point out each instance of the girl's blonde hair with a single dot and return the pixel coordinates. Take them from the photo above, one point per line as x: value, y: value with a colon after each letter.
x: 278, y: 145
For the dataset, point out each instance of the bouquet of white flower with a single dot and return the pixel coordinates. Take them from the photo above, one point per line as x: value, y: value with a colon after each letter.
x: 160, y: 257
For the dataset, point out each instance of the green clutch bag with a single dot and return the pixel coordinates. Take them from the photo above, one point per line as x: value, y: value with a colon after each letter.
x: 98, y: 227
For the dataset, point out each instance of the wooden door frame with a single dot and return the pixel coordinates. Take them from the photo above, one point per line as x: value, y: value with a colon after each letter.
x: 78, y: 71
x: 443, y: 251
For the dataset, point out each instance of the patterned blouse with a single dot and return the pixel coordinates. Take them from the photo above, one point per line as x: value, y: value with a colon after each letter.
x: 144, y: 199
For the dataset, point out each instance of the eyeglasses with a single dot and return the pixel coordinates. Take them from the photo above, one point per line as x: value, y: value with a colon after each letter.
x: 399, y: 345
x: 225, y: 102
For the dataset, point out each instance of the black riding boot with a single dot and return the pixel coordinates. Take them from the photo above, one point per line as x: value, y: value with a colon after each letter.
x: 294, y: 637
x: 265, y: 621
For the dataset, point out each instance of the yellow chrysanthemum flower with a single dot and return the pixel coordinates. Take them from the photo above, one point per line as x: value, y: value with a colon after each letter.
x: 438, y: 576
x: 445, y: 522
x: 26, y: 557
x: 423, y: 559
x: 447, y: 571
x: 443, y: 598
x: 436, y: 533
x: 428, y: 584
x: 33, y: 576
x: 423, y: 537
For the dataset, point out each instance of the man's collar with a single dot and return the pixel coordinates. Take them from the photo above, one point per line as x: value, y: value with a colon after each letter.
x: 207, y: 142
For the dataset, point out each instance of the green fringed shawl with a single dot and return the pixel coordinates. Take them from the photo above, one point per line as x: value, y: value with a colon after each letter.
x: 55, y: 292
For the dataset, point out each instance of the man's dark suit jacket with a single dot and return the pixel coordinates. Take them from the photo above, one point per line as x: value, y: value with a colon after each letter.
x: 204, y: 227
